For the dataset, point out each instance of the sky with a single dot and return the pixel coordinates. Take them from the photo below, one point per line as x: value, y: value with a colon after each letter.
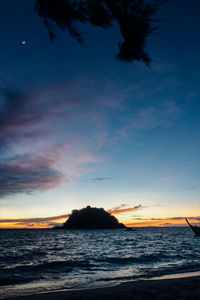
x: 78, y: 127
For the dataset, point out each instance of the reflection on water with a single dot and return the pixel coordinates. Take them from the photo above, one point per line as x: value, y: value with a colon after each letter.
x: 37, y: 260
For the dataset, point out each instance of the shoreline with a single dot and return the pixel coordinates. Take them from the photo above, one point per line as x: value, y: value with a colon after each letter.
x: 182, y: 286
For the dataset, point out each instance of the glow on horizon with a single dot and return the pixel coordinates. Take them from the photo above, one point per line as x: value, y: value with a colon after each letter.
x: 123, y: 215
x: 146, y: 223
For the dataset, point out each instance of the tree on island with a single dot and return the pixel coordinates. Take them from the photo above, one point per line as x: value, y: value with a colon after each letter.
x: 92, y: 218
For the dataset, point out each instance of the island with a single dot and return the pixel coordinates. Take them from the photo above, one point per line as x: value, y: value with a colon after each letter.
x: 91, y: 218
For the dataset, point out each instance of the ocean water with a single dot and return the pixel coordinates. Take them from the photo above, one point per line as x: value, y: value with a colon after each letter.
x: 33, y: 261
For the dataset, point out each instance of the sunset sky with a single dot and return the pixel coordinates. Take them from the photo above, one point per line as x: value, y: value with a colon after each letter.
x: 78, y: 127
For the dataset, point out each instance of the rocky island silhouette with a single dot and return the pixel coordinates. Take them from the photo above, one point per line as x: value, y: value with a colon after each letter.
x: 91, y: 218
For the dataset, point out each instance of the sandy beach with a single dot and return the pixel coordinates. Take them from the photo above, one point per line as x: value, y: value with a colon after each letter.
x: 161, y: 289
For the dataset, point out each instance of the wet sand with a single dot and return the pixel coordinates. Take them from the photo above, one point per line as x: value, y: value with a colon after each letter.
x: 159, y: 289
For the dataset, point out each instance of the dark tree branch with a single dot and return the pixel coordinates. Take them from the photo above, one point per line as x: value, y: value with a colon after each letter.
x: 134, y: 17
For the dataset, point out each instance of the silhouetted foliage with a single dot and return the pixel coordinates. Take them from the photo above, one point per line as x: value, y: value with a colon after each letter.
x: 194, y: 228
x: 92, y: 218
x: 134, y: 17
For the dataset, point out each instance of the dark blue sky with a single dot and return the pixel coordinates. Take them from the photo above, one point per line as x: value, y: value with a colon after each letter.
x: 79, y: 127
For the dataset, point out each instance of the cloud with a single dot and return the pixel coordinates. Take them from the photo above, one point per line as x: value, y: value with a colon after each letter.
x: 121, y: 209
x: 174, y: 218
x: 34, y: 220
x: 183, y: 218
x: 49, y: 137
x: 102, y: 178
x: 191, y: 163
x: 162, y: 180
x: 36, y: 154
x: 172, y: 108
x: 152, y: 116
x: 191, y: 188
x: 173, y: 221
x: 17, y: 115
x: 26, y: 174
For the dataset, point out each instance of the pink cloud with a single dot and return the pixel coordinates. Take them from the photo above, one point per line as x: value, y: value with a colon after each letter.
x: 121, y: 209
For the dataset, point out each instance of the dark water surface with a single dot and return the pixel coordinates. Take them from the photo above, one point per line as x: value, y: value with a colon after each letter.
x: 40, y: 260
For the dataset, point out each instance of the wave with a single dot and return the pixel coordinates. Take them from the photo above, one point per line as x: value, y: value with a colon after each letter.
x: 14, y: 258
x: 152, y: 273
x: 50, y: 265
x: 146, y: 258
x: 25, y: 273
x: 82, y: 258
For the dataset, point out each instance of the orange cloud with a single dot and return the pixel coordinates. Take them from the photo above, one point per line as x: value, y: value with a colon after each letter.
x: 120, y: 210
x: 43, y: 222
x: 161, y: 222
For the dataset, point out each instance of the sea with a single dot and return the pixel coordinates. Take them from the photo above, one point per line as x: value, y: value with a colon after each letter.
x: 40, y: 260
